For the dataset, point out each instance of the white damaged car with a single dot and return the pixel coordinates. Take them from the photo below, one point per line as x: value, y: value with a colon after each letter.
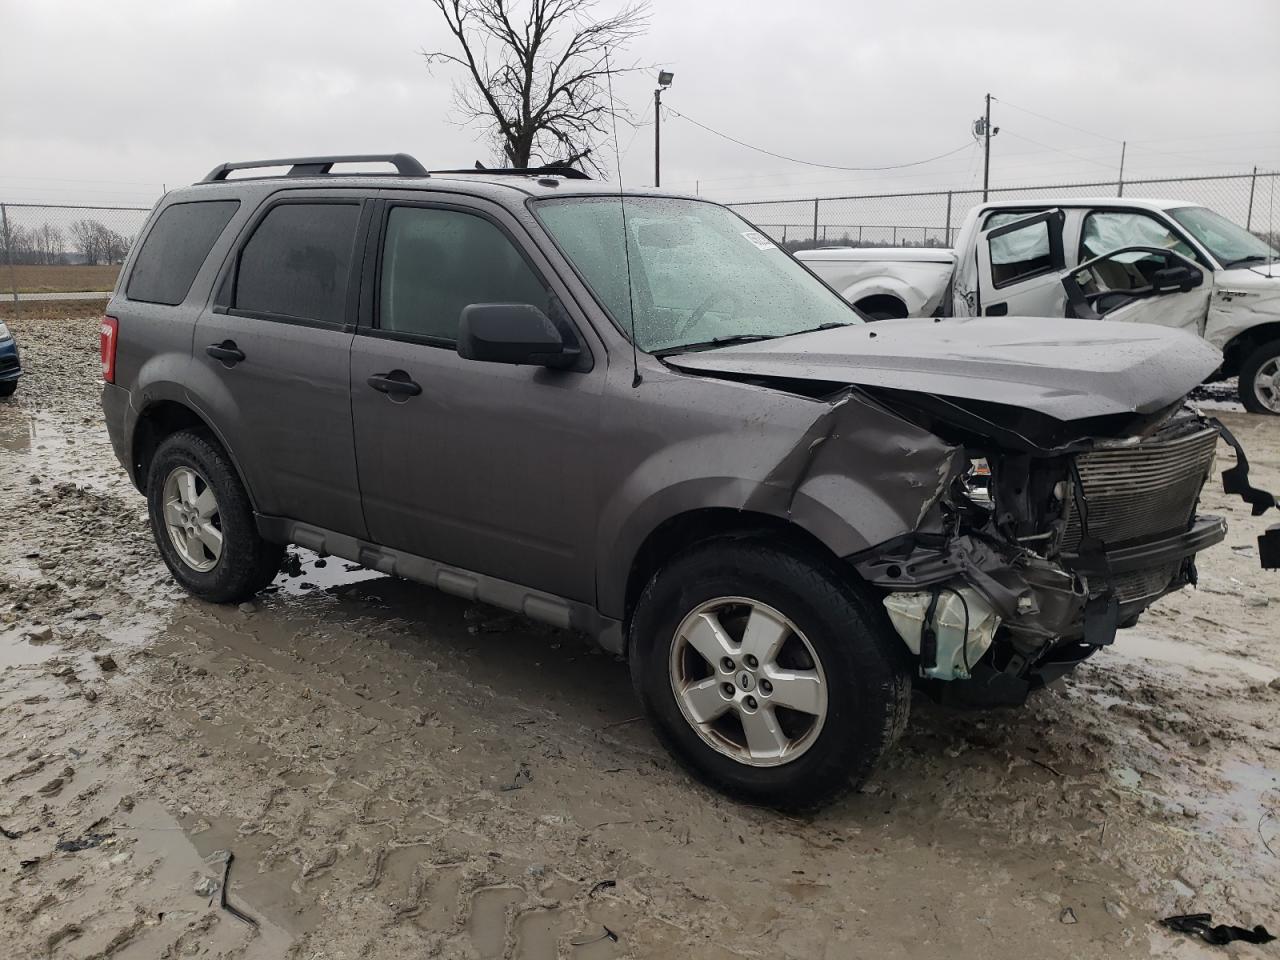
x: 1117, y: 258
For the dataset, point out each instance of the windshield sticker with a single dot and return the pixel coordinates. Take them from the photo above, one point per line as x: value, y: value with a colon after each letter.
x: 759, y: 240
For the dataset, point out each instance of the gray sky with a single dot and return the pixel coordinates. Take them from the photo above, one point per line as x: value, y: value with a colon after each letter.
x: 107, y: 101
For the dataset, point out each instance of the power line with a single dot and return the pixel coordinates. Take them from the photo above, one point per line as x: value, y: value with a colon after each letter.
x: 1060, y: 123
x: 811, y: 163
x: 1057, y: 150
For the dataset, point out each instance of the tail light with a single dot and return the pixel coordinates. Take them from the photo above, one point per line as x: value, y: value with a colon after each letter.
x: 107, y: 347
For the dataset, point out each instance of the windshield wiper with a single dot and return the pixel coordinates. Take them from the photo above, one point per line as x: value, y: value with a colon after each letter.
x: 1252, y: 258
x: 821, y: 326
x: 716, y: 342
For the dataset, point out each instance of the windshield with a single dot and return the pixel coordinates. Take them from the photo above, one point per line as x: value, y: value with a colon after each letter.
x: 1227, y: 242
x: 699, y: 274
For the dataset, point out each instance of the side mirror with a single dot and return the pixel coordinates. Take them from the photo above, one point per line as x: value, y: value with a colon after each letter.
x: 1177, y: 277
x: 516, y: 333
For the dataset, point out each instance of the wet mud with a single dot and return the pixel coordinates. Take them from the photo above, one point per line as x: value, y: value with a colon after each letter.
x: 400, y: 774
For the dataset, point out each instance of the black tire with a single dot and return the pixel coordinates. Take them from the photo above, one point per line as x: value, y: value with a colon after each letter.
x: 8, y: 387
x: 1254, y: 362
x: 865, y: 664
x: 247, y: 562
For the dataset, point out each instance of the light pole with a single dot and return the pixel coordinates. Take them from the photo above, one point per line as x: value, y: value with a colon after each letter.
x: 664, y: 80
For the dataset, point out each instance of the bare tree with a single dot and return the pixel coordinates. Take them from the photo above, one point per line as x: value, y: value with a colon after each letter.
x: 539, y: 80
x: 48, y: 242
x: 97, y: 242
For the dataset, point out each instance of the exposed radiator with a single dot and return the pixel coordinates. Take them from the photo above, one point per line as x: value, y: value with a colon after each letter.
x: 1141, y: 491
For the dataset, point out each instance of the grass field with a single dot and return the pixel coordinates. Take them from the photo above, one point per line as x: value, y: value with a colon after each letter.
x: 59, y: 278
x: 51, y: 309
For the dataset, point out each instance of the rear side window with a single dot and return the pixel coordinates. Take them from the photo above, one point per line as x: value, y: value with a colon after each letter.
x: 298, y: 261
x: 1021, y: 255
x: 437, y: 262
x: 175, y: 248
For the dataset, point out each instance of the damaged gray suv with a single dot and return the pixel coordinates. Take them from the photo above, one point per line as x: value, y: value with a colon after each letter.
x: 635, y: 416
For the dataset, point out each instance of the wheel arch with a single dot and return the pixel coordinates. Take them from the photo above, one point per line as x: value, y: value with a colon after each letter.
x: 1238, y: 348
x: 691, y: 527
x: 883, y: 303
x: 161, y: 419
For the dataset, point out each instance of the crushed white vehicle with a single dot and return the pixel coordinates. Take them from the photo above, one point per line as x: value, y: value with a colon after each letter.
x: 1116, y: 258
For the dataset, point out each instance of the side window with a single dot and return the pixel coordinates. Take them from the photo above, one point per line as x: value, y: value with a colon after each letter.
x: 1107, y: 230
x: 297, y: 262
x: 436, y: 262
x: 1021, y: 254
x: 175, y: 248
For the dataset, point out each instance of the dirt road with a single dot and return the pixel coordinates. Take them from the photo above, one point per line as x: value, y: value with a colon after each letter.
x: 401, y: 775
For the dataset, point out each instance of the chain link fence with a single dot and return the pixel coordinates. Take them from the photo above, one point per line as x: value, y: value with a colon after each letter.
x: 932, y: 219
x: 53, y: 254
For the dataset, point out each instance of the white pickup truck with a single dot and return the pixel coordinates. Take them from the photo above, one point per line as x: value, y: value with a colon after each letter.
x: 1118, y: 258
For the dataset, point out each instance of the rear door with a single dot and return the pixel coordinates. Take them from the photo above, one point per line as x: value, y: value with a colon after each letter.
x: 274, y: 354
x: 1020, y: 265
x: 485, y: 466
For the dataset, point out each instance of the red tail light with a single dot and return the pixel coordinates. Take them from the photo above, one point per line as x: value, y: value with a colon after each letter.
x: 107, y: 347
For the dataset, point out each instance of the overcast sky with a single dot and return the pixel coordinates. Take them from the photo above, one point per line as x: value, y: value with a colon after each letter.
x: 108, y: 101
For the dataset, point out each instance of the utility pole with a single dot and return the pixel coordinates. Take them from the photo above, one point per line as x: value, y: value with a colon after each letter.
x: 982, y: 128
x: 986, y: 150
x: 664, y: 80
x: 1123, y: 145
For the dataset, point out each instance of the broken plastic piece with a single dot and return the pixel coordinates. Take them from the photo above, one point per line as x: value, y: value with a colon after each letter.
x: 1201, y: 925
x: 949, y: 628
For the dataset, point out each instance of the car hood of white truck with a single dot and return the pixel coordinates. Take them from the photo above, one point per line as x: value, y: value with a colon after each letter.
x: 1243, y: 297
x: 1064, y: 369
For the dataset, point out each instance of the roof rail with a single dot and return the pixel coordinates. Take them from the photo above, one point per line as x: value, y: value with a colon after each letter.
x: 406, y: 166
x: 550, y: 170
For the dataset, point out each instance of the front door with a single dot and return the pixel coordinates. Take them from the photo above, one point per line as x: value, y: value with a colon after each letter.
x: 1019, y: 267
x: 277, y: 344
x: 1140, y: 285
x: 484, y: 466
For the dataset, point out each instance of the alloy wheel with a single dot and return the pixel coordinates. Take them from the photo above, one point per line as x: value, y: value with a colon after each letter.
x: 192, y: 519
x: 1266, y: 384
x: 748, y: 681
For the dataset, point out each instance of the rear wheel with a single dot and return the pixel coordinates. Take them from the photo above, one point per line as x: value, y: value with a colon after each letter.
x: 767, y: 674
x: 203, y: 523
x: 1260, y: 379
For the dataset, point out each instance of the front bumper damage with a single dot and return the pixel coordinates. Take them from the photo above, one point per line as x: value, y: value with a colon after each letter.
x: 1013, y: 613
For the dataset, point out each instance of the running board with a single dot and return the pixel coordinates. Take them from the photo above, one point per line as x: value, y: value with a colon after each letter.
x: 477, y: 587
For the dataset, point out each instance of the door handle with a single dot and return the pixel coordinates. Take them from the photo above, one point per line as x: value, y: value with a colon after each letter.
x: 397, y: 383
x: 226, y: 352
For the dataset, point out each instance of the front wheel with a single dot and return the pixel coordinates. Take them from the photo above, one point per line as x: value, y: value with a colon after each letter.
x: 203, y: 522
x: 1260, y: 379
x: 767, y: 674
x: 8, y: 388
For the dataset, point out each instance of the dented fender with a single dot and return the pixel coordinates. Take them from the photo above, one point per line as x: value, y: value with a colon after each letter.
x: 851, y: 473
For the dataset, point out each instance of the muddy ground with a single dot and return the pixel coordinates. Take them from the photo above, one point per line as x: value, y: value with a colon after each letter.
x: 399, y: 774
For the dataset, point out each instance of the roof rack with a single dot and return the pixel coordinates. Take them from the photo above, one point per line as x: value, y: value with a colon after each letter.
x: 550, y: 170
x: 406, y: 166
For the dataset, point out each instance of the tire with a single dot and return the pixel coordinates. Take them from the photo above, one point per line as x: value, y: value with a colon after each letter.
x: 1264, y: 360
x: 853, y: 649
x: 8, y: 387
x: 244, y: 563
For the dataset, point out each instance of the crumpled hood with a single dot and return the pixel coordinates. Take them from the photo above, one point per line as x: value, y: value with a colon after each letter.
x: 1066, y: 369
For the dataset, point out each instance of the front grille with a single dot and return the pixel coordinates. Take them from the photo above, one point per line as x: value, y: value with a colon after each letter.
x: 1144, y: 490
x: 1142, y: 584
x: 8, y: 363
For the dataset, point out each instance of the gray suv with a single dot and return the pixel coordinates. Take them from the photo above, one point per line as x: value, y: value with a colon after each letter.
x: 634, y: 416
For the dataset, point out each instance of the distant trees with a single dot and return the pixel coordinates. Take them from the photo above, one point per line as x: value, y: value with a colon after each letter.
x: 97, y: 242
